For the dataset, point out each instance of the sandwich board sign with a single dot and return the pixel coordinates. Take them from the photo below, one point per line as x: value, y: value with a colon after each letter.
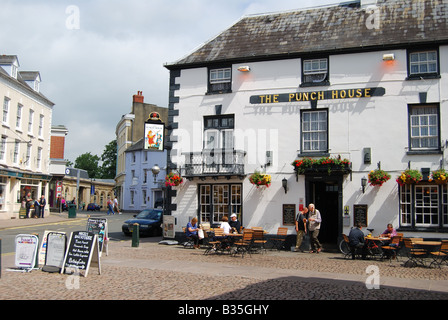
x: 26, y: 251
x: 98, y: 226
x: 82, y: 252
x: 56, y: 243
x: 43, y: 247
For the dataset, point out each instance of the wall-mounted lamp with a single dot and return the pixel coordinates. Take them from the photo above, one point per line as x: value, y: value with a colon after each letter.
x: 363, y: 184
x: 244, y: 69
x: 388, y: 57
x: 285, y: 185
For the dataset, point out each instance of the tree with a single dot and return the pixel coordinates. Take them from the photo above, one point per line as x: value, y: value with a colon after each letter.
x: 88, y: 162
x: 109, y: 158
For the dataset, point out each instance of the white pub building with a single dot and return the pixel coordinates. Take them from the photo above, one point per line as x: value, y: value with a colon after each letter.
x: 316, y: 101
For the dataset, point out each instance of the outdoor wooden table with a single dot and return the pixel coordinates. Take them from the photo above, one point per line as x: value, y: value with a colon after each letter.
x: 428, y: 246
x: 374, y: 247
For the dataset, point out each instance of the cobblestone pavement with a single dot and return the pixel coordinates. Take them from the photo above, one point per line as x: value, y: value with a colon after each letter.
x: 169, y: 272
x: 160, y: 272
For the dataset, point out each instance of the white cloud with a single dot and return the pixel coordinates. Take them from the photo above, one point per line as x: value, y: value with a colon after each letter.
x: 120, y: 47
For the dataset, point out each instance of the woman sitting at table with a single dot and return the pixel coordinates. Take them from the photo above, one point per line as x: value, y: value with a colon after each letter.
x: 192, y: 232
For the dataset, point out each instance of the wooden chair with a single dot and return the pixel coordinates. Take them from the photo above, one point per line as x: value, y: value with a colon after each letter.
x: 244, y: 244
x: 390, y: 251
x: 259, y: 241
x: 279, y: 240
x: 215, y: 245
x: 190, y: 242
x: 440, y: 256
x: 345, y: 249
x: 415, y: 256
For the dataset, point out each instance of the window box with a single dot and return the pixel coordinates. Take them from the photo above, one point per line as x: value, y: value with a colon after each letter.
x: 322, y: 165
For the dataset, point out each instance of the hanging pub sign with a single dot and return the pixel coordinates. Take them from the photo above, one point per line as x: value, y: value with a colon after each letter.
x: 154, y: 133
x: 318, y: 95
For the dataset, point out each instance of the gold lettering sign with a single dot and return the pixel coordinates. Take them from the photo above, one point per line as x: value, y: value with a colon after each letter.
x: 318, y: 95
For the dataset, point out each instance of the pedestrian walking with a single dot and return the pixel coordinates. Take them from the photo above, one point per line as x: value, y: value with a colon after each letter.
x: 110, y: 208
x: 116, y: 205
x: 314, y: 219
x: 301, y: 222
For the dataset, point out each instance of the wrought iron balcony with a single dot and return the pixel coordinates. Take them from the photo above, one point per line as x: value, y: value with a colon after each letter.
x: 214, y: 163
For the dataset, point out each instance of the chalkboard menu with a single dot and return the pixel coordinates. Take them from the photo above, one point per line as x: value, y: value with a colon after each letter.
x: 289, y: 214
x: 360, y: 214
x: 83, y: 246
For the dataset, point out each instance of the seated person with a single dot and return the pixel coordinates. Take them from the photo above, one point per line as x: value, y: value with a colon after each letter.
x: 191, y: 231
x: 390, y: 232
x: 356, y: 240
x: 234, y: 223
x: 225, y: 225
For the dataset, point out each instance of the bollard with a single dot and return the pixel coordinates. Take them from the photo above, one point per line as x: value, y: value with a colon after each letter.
x: 135, y: 235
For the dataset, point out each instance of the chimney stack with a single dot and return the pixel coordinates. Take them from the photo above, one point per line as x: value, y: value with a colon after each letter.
x: 138, y: 97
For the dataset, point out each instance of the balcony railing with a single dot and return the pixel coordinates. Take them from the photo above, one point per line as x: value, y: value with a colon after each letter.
x: 214, y: 163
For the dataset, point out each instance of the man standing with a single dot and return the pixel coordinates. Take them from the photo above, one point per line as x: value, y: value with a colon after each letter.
x: 301, y: 221
x: 314, y: 219
x: 42, y: 203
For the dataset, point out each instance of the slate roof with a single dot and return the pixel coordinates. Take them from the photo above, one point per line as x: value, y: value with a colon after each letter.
x: 22, y: 76
x: 340, y: 28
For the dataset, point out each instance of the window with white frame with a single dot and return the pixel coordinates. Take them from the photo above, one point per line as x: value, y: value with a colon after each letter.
x: 39, y: 158
x: 6, y: 103
x: 144, y: 202
x: 19, y: 117
x: 30, y: 122
x: 15, y: 157
x: 3, y: 148
x: 133, y: 197
x: 220, y: 80
x: 424, y: 206
x: 315, y: 71
x: 41, y: 126
x: 218, y: 200
x: 28, y: 155
x: 314, y: 131
x: 424, y: 127
x: 422, y: 63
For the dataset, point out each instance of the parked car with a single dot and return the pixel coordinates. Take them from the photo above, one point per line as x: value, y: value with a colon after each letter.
x: 149, y: 220
x: 93, y: 207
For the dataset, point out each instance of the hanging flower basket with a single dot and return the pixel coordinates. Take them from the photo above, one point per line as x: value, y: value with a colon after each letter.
x: 260, y: 179
x: 439, y: 176
x: 409, y: 176
x: 325, y: 164
x: 378, y: 177
x: 173, y: 180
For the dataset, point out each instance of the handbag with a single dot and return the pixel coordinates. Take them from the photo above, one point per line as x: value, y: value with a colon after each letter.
x: 201, y: 234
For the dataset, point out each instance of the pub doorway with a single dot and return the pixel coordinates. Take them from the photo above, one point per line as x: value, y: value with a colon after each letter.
x: 326, y: 194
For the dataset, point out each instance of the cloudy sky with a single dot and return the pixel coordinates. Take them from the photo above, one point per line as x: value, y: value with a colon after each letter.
x: 94, y: 55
